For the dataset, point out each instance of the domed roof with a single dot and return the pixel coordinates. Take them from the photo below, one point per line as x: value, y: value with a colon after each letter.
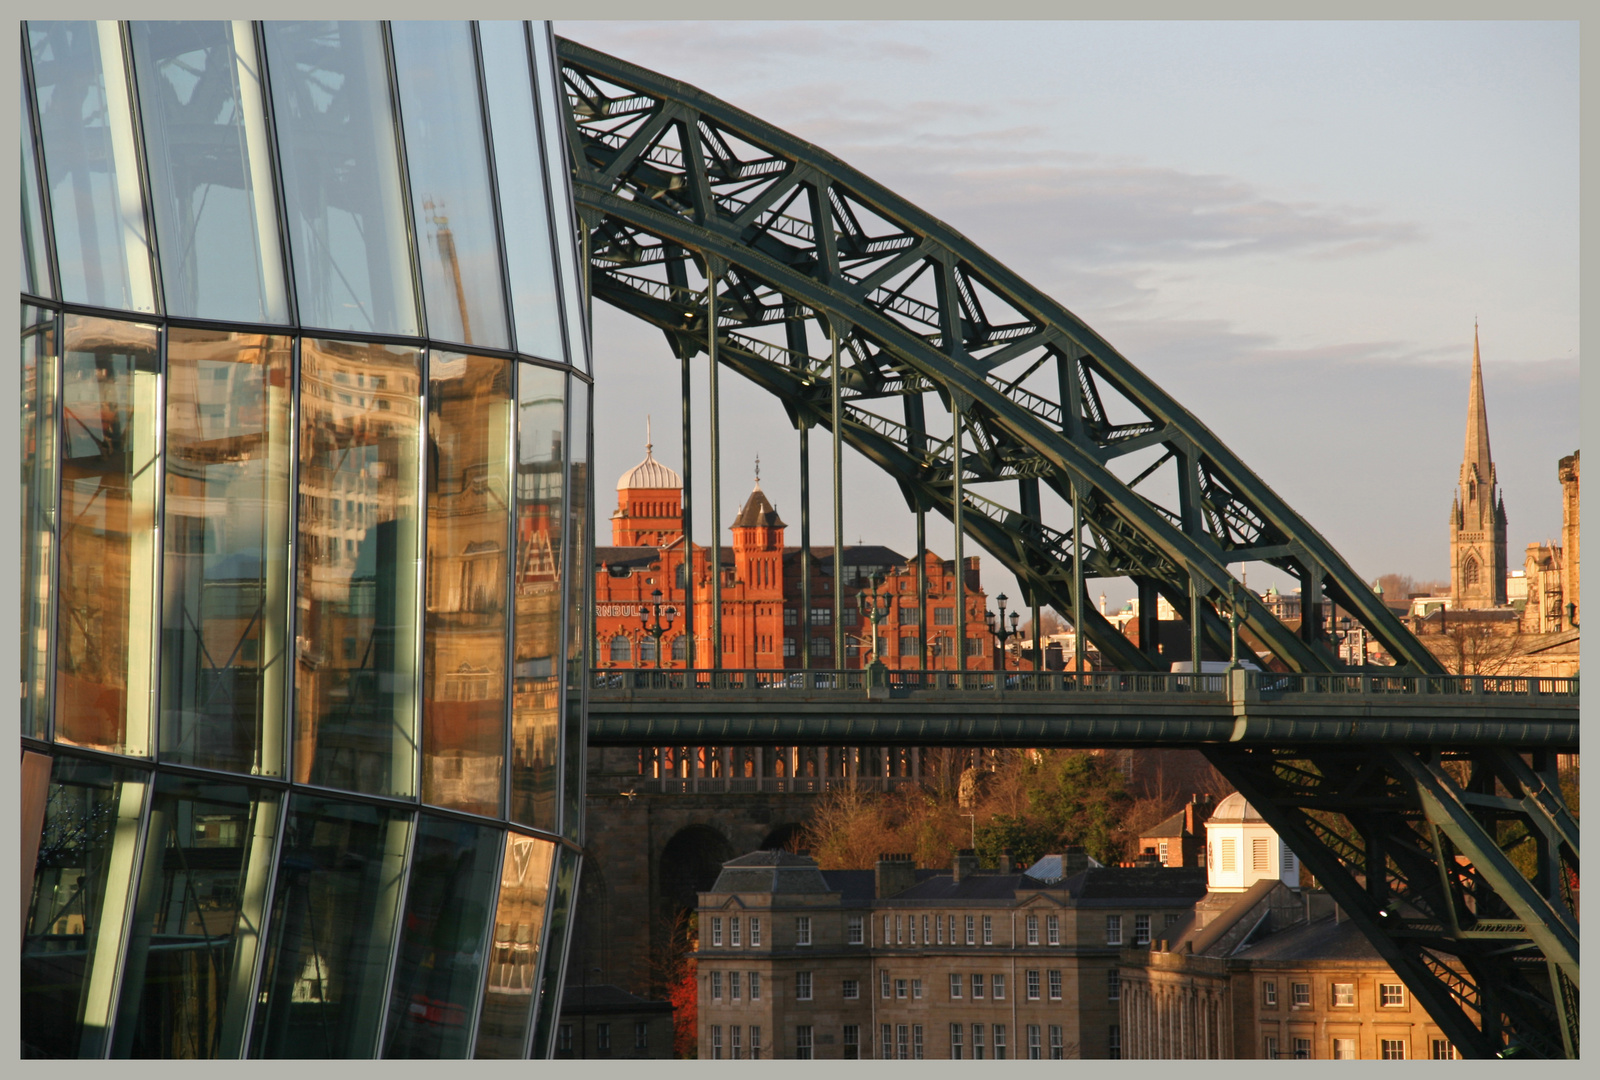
x: 1233, y: 808
x: 649, y: 473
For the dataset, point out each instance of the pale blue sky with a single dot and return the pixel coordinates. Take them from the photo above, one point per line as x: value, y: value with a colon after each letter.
x: 1290, y: 226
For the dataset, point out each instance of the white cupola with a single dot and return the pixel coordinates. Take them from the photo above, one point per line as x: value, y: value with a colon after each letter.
x: 1241, y: 849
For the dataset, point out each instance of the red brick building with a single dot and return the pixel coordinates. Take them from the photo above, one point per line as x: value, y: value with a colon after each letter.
x: 763, y: 621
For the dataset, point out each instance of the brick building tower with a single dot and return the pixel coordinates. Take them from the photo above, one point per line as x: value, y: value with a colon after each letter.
x: 1478, y: 514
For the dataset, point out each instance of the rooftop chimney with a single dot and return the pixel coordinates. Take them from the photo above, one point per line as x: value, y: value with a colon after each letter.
x: 1074, y: 860
x: 964, y: 865
x: 895, y: 873
x: 1007, y: 864
x: 1199, y: 808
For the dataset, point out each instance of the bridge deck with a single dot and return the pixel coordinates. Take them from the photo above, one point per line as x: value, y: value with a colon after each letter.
x: 628, y: 707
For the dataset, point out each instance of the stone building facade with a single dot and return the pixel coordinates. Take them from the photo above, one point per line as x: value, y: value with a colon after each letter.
x: 798, y: 962
x: 1264, y: 969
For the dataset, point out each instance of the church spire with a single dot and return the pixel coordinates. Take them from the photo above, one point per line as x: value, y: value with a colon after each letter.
x: 1477, y: 449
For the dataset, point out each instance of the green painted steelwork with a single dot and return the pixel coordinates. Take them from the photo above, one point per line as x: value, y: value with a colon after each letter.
x: 669, y: 180
x: 669, y: 176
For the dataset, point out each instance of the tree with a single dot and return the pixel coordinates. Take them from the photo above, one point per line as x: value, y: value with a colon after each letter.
x: 1081, y: 795
x: 1026, y: 840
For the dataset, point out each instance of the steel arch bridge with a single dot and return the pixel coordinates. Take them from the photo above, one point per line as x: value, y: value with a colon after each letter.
x: 741, y: 241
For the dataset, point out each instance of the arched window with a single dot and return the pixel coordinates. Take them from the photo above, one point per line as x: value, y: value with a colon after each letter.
x: 683, y: 575
x: 1469, y: 571
x: 647, y: 651
x: 621, y: 650
x: 680, y: 647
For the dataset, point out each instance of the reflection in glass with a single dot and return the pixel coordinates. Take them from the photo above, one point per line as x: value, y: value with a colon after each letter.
x: 469, y: 486
x: 329, y: 939
x: 35, y: 261
x: 210, y: 170
x: 441, y: 958
x: 579, y: 580
x: 551, y: 980
x: 341, y: 176
x: 91, y: 164
x: 76, y: 906
x: 197, y: 921
x: 356, y: 576
x: 524, y: 203
x: 105, y: 625
x: 225, y: 580
x: 536, y: 703
x: 552, y: 112
x: 512, y: 976
x: 38, y: 513
x: 449, y: 170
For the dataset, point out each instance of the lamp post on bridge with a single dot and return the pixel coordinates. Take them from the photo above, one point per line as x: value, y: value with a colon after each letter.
x: 997, y: 627
x: 658, y: 627
x: 874, y: 608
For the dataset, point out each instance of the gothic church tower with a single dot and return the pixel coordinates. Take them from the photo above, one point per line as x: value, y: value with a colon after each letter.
x: 1478, y: 515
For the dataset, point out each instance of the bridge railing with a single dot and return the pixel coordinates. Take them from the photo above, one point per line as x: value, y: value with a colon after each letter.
x: 1266, y: 684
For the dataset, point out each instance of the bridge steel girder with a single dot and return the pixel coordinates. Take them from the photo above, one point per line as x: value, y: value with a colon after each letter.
x: 1419, y: 864
x: 664, y: 172
x: 660, y: 166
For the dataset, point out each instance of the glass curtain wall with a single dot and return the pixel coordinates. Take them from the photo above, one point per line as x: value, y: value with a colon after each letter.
x: 304, y: 438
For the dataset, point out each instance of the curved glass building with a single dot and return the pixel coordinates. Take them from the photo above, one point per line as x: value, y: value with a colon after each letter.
x: 305, y: 444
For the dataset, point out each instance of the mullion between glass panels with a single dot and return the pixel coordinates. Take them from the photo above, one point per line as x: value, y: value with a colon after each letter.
x: 291, y: 659
x: 130, y: 902
x: 157, y: 547
x: 486, y: 942
x: 59, y: 408
x: 279, y: 196
x: 562, y: 664
x: 280, y: 200
x: 494, y: 208
x: 52, y: 272
x: 419, y: 607
x: 508, y: 679
x: 544, y: 954
x: 262, y: 943
x: 549, y: 184
x: 382, y: 1028
x: 559, y: 165
x: 413, y: 240
x: 142, y: 167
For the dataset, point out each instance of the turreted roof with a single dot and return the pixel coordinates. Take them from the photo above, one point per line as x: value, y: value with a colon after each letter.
x: 758, y: 513
x: 649, y: 473
x: 1233, y: 808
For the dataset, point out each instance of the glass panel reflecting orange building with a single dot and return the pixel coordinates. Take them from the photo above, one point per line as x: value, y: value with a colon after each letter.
x: 469, y: 528
x: 355, y: 594
x: 225, y: 570
x: 106, y: 600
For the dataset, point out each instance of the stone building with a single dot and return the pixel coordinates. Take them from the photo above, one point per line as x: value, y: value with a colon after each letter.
x: 798, y: 962
x: 1262, y: 968
x: 1478, y: 514
x: 1180, y: 839
x: 608, y: 1023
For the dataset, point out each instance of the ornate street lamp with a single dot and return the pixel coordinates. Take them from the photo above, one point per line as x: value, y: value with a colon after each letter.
x: 874, y: 608
x: 997, y: 627
x: 659, y: 626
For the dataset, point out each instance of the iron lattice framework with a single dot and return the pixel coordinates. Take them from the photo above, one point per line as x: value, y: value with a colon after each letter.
x: 674, y: 184
x: 1420, y: 848
x: 685, y: 198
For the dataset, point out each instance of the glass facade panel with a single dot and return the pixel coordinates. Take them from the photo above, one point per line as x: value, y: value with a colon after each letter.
x: 196, y: 923
x: 35, y: 257
x: 552, y: 112
x: 448, y: 165
x: 39, y: 391
x: 536, y: 704
x: 106, y: 620
x: 91, y: 164
x: 76, y: 906
x: 225, y: 569
x: 469, y: 532
x: 357, y: 574
x: 553, y: 977
x: 210, y: 170
x: 441, y: 956
x: 202, y: 504
x: 579, y: 580
x: 341, y: 176
x: 524, y: 202
x: 514, y: 950
x: 331, y: 932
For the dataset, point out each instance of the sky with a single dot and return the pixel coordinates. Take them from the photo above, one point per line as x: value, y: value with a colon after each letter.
x: 1291, y: 227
